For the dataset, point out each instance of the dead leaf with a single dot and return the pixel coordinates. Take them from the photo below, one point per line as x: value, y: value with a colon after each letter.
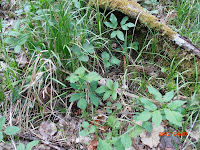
x: 153, y: 139
x: 194, y: 133
x: 93, y: 145
x: 47, y: 129
x: 83, y: 139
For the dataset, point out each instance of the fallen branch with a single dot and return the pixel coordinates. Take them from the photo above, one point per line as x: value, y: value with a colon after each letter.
x: 133, y: 9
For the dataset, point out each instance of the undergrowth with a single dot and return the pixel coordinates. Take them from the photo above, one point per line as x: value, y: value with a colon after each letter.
x: 57, y: 55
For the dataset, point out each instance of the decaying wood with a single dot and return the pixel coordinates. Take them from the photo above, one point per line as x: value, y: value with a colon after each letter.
x: 134, y: 10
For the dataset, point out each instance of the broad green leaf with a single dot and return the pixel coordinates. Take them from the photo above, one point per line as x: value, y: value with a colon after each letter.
x: 114, y: 60
x: 119, y: 105
x: 11, y: 130
x: 17, y: 48
x: 30, y: 145
x: 120, y: 35
x: 21, y: 146
x: 124, y: 20
x: 144, y: 116
x: 148, y: 104
x: 108, y: 104
x: 75, y: 97
x: 80, y: 71
x: 126, y: 141
x: 105, y: 56
x: 130, y: 25
x: 110, y: 25
x: 9, y: 40
x: 114, y: 95
x: 108, y: 110
x: 103, y: 145
x: 155, y: 92
x: 75, y: 86
x: 109, y: 84
x: 148, y: 126
x: 111, y: 120
x: 83, y: 58
x: 106, y: 64
x: 175, y: 104
x: 82, y: 104
x: 113, y: 19
x: 92, y: 76
x: 118, y: 144
x: 88, y: 47
x: 124, y: 27
x: 115, y: 85
x: 1, y: 136
x: 83, y: 133
x: 107, y: 95
x: 174, y: 117
x: 102, y: 89
x: 77, y: 4
x: 113, y: 34
x: 85, y: 124
x: 157, y: 118
x: 93, y: 86
x: 14, y: 33
x: 16, y: 26
x: 72, y: 78
x: 76, y: 50
x: 21, y: 39
x: 2, y: 122
x: 168, y: 96
x: 94, y: 99
x: 136, y: 131
x: 92, y: 129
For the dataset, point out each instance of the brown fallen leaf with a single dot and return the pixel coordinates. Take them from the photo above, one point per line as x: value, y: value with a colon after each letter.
x: 47, y: 129
x: 154, y: 138
x: 93, y: 145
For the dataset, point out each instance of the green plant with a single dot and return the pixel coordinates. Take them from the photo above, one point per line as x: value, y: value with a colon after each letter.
x: 87, y: 129
x: 78, y: 81
x: 113, y: 25
x: 11, y: 130
x: 109, y: 90
x: 109, y: 61
x: 170, y: 111
x: 83, y: 55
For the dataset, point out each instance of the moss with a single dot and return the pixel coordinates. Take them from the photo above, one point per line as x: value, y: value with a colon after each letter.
x: 133, y: 9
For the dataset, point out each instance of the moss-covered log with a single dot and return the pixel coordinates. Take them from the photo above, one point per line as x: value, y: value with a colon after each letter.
x: 135, y: 10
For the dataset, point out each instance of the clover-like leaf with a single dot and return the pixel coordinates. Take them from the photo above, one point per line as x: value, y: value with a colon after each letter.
x: 124, y: 20
x: 174, y: 117
x: 88, y: 47
x: 156, y: 93
x: 168, y: 96
x: 113, y: 34
x: 114, y: 60
x: 11, y: 130
x: 120, y: 35
x: 102, y: 89
x: 175, y: 104
x: 148, y: 104
x: 92, y: 76
x: 105, y: 56
x: 82, y: 104
x: 113, y: 19
x: 157, y: 118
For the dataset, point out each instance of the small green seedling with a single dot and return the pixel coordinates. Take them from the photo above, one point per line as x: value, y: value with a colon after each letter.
x: 109, y: 61
x: 113, y: 24
x: 170, y: 111
x: 12, y: 130
x: 86, y: 129
x: 109, y: 89
x: 79, y: 80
